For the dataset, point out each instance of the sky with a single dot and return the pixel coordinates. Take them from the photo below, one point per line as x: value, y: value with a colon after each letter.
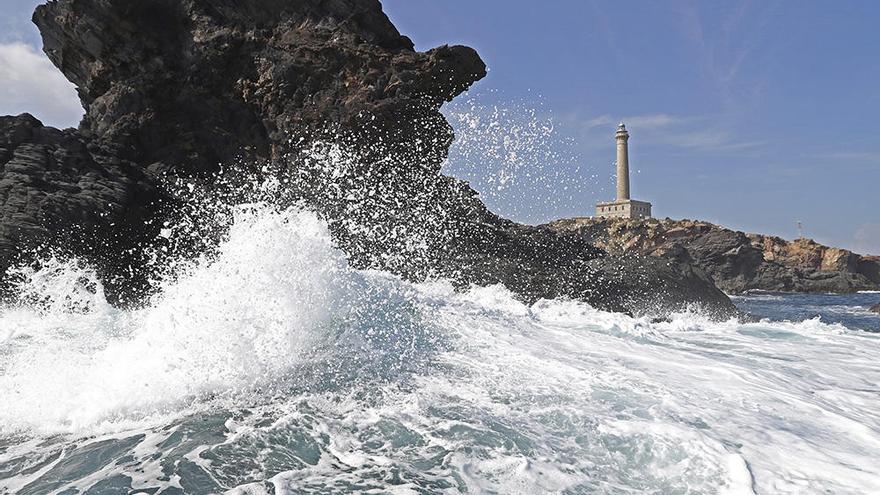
x: 755, y: 115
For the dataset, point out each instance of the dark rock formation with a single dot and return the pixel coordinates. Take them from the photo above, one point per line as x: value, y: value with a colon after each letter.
x: 736, y: 261
x: 190, y: 84
x: 60, y: 190
x: 183, y: 88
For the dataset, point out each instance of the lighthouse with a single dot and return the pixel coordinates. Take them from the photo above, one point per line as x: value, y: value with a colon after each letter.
x: 623, y: 206
x: 622, y: 138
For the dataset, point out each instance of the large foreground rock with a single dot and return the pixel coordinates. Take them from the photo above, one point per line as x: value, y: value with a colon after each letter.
x: 181, y: 89
x: 63, y: 191
x: 736, y: 261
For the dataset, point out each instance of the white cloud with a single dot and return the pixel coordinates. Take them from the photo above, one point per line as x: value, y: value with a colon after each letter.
x: 30, y: 83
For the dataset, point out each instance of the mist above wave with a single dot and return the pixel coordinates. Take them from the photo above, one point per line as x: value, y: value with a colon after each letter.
x: 271, y: 298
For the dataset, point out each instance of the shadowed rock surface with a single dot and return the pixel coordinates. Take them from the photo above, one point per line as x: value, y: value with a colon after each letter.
x: 736, y: 261
x: 181, y: 89
x: 61, y: 190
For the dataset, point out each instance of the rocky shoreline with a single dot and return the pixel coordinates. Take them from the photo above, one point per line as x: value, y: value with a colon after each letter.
x: 179, y: 90
x: 736, y: 261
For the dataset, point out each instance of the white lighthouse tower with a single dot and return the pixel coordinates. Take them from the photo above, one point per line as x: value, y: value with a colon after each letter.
x: 623, y: 206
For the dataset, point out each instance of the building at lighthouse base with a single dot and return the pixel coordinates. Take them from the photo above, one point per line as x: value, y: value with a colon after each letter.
x: 627, y: 208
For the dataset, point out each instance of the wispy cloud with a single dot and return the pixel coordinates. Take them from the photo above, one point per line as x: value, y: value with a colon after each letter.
x: 724, y: 50
x: 606, y: 30
x: 30, y: 83
x: 15, y: 22
x: 649, y: 121
x: 709, y: 140
x: 695, y: 133
x: 863, y: 156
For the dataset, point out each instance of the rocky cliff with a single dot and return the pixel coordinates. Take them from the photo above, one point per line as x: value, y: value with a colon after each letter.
x: 736, y: 261
x: 326, y: 96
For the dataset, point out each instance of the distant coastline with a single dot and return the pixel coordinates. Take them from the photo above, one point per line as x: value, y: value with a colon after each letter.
x: 737, y: 262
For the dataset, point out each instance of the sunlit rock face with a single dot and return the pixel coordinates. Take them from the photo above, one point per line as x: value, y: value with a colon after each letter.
x: 736, y: 261
x: 326, y: 98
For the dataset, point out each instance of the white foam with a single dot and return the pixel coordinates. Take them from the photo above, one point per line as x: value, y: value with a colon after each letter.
x: 229, y: 325
x: 474, y: 389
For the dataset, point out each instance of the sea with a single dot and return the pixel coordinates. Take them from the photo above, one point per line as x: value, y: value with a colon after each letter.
x: 273, y: 367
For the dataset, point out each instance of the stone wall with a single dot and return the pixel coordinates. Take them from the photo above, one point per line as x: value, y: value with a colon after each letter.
x: 624, y: 209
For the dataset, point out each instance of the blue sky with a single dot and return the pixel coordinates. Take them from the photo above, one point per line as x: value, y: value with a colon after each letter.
x: 754, y: 115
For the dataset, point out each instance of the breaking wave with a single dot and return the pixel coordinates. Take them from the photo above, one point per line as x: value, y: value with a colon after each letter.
x: 273, y: 367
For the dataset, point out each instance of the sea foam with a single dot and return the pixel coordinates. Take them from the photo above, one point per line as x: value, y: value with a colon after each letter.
x: 273, y: 366
x: 224, y: 326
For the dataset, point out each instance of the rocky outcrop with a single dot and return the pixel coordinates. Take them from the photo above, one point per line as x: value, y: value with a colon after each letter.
x: 60, y: 190
x: 188, y: 85
x: 736, y: 261
x: 326, y: 96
